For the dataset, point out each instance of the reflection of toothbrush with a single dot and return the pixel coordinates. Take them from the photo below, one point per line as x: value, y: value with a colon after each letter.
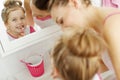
x: 25, y: 62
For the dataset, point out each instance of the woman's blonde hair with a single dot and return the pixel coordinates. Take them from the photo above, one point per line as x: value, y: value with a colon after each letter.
x: 47, y: 4
x: 76, y: 55
x: 64, y: 2
x: 10, y: 5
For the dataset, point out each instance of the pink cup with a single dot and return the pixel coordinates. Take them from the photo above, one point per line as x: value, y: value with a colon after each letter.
x: 35, y: 65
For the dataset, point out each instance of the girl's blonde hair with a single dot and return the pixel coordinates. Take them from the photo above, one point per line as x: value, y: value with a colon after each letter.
x: 9, y: 6
x: 76, y: 55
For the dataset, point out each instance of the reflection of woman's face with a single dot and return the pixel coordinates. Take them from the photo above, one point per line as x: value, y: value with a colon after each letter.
x: 38, y: 13
x: 16, y: 22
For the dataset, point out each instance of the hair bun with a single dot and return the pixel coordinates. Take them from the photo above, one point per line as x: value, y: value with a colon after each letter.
x: 10, y: 3
x: 84, y: 42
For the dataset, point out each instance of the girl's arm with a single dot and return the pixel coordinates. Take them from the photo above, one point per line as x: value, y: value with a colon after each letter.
x: 29, y: 16
x: 112, y: 36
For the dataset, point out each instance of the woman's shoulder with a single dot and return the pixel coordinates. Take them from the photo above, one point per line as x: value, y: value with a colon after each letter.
x: 112, y: 19
x: 112, y: 25
x: 110, y: 15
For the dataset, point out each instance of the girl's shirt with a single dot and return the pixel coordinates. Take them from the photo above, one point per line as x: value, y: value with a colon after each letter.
x: 111, y: 3
x: 108, y: 3
x: 97, y: 77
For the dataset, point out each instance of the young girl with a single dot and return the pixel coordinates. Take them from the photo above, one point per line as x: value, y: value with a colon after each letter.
x: 13, y: 16
x: 80, y: 12
x: 76, y: 55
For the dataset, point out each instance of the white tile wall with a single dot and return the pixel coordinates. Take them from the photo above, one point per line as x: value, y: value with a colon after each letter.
x: 97, y: 2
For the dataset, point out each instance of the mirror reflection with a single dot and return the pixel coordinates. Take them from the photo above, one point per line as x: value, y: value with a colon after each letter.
x: 21, y: 17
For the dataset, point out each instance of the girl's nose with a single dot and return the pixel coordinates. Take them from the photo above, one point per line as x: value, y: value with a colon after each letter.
x: 19, y: 21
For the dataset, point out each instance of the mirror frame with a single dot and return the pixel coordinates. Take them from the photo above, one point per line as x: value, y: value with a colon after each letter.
x: 23, y: 42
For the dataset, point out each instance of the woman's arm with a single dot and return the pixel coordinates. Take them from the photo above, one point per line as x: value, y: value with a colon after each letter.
x: 29, y: 16
x: 112, y: 36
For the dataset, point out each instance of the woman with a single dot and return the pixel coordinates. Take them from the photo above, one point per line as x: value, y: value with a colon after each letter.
x: 80, y: 12
x: 35, y: 16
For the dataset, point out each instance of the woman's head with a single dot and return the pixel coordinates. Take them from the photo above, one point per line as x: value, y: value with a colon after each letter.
x: 48, y: 4
x: 42, y: 12
x: 69, y: 12
x: 76, y: 55
x: 13, y: 15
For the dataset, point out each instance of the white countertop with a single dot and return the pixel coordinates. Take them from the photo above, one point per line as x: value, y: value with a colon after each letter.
x: 25, y: 74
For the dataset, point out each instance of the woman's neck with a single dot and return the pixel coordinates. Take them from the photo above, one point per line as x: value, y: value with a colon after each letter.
x: 95, y: 18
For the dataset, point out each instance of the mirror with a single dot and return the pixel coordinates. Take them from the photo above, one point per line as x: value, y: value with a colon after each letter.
x: 9, y: 46
x: 18, y: 24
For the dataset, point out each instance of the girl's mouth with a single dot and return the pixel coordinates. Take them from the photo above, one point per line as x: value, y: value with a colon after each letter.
x: 21, y: 28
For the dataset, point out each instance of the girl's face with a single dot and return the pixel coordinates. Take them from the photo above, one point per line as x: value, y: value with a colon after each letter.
x: 16, y: 22
x: 69, y: 15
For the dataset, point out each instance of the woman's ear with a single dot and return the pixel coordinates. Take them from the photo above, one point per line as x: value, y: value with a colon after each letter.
x: 76, y: 3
